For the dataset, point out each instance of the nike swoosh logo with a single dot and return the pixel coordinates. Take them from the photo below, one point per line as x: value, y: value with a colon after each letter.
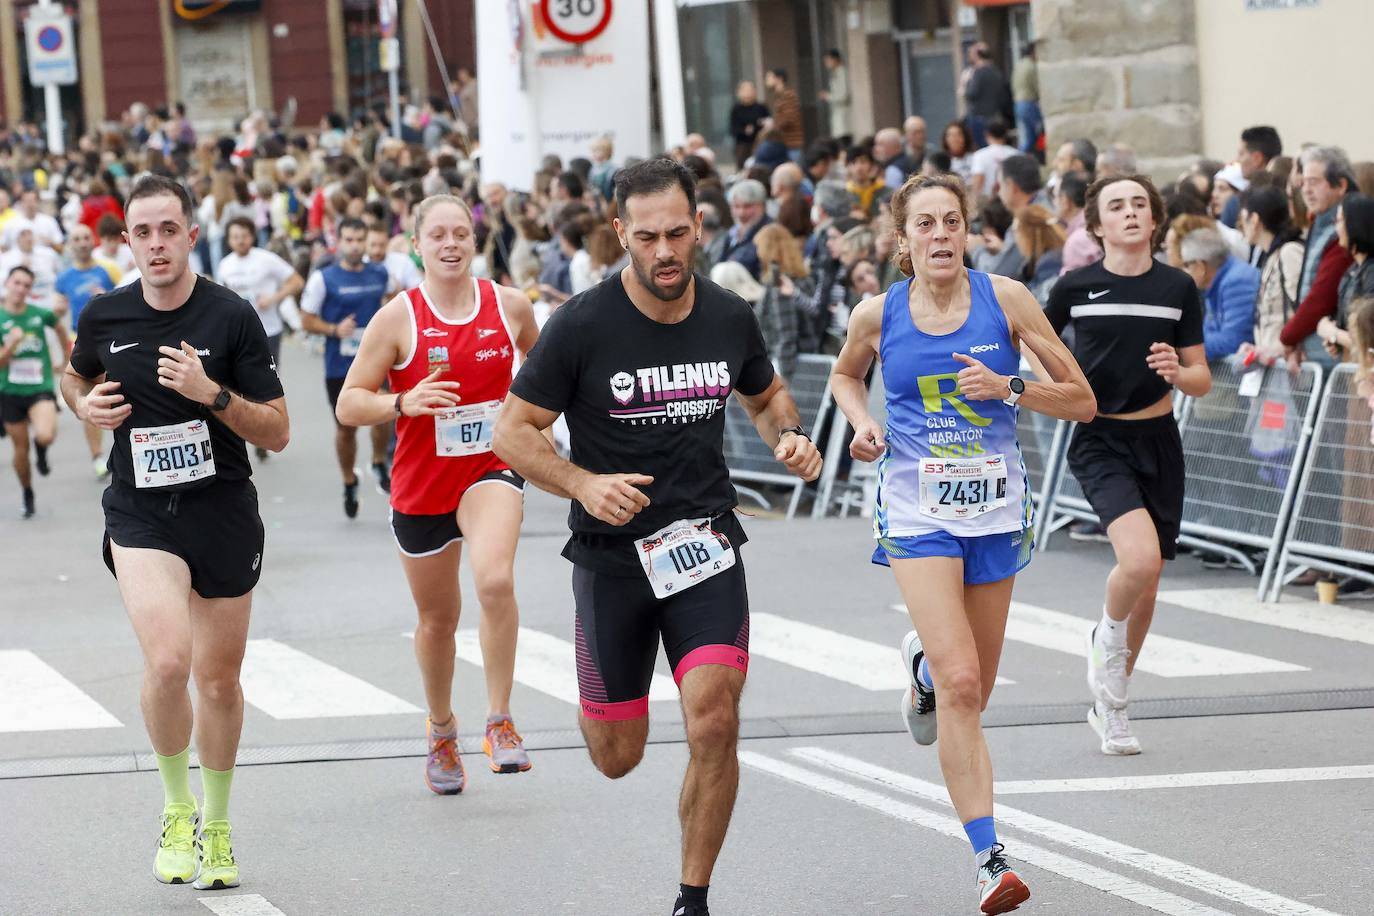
x: 1098, y: 295
x: 114, y: 349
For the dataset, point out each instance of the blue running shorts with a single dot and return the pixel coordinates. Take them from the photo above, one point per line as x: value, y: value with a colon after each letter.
x: 987, y: 558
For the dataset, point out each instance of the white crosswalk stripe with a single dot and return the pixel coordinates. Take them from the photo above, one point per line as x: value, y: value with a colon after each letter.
x: 549, y: 664
x: 286, y: 683
x: 34, y: 697
x: 870, y: 665
x: 1166, y: 655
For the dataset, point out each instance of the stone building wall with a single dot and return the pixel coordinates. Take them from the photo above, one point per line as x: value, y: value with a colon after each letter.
x: 1121, y: 71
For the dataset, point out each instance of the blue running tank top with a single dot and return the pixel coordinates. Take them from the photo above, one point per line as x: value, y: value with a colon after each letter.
x: 951, y: 464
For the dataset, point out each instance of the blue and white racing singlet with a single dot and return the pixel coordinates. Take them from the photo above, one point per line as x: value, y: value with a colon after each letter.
x: 951, y: 464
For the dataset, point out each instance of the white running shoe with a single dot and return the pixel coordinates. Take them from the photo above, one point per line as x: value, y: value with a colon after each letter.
x: 1107, y: 678
x: 101, y: 469
x: 1000, y: 890
x: 918, y: 701
x: 1114, y: 728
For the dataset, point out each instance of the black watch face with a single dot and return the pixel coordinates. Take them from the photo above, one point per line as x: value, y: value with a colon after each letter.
x: 1017, y: 386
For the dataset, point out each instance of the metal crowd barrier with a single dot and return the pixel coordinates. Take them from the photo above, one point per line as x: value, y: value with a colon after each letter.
x: 751, y: 461
x: 1332, y: 527
x: 1243, y: 445
x: 859, y: 489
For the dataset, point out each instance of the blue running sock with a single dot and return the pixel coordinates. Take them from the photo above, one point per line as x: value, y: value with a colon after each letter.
x: 923, y: 674
x: 982, y: 835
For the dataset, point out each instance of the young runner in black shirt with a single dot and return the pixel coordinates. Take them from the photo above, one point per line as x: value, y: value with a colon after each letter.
x: 642, y: 366
x: 1137, y: 335
x: 178, y: 368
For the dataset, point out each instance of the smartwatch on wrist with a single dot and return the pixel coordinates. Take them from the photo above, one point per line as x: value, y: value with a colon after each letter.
x: 221, y: 400
x: 795, y: 430
x: 398, y: 403
x: 1018, y: 387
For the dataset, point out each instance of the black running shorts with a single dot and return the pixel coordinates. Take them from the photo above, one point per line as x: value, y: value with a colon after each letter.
x: 620, y: 623
x: 14, y: 408
x: 1123, y: 465
x: 426, y: 535
x: 215, y: 529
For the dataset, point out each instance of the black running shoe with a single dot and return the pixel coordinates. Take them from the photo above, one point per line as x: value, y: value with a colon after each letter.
x: 383, y: 476
x: 261, y: 453
x: 42, y: 463
x: 29, y: 510
x: 351, y: 499
x: 690, y: 909
x: 1088, y: 531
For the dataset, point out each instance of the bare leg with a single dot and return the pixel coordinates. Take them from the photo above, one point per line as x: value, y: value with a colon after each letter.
x: 156, y: 588
x: 346, y: 448
x: 490, y: 516
x: 94, y: 439
x: 219, y: 630
x: 434, y: 586
x: 710, y: 705
x: 1134, y: 582
x: 934, y: 591
x: 19, y: 438
x: 615, y: 747
x: 381, y: 437
x: 43, y: 422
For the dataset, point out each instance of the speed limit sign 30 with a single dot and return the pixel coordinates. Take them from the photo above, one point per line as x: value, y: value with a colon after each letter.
x: 576, y: 21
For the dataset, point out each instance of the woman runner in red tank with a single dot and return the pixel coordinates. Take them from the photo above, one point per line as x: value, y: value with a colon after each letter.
x: 448, y: 349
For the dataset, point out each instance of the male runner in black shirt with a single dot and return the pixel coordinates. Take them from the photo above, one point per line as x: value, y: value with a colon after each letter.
x: 642, y: 365
x: 1137, y: 335
x: 179, y: 369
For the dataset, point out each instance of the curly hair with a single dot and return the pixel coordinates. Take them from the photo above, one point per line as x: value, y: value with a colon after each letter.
x: 902, y: 199
x: 1093, y: 216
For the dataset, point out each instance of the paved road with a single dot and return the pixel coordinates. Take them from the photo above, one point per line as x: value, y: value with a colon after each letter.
x: 1253, y: 794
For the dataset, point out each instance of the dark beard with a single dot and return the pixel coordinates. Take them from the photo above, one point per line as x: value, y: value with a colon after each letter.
x: 672, y: 293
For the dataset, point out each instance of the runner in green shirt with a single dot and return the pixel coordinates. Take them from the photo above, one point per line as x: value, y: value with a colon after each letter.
x: 26, y: 389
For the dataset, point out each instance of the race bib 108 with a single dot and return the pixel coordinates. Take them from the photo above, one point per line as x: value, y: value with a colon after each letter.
x: 684, y: 554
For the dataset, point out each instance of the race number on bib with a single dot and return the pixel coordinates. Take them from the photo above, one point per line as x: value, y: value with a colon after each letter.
x: 26, y: 371
x: 954, y: 488
x: 348, y: 346
x: 168, y: 455
x: 465, y: 431
x: 684, y: 554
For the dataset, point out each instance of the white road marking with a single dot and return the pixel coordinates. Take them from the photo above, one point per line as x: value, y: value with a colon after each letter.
x: 1075, y: 870
x: 1081, y: 840
x: 1312, y: 617
x: 34, y: 697
x: 549, y: 664
x: 1163, y: 656
x: 241, y: 905
x: 1182, y: 780
x: 870, y: 665
x: 286, y: 683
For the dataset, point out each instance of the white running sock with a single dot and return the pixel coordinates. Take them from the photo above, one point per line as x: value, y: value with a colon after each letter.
x: 1111, y: 632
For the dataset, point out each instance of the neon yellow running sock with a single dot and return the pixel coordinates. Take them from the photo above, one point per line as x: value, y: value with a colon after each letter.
x: 176, y: 778
x: 216, y: 784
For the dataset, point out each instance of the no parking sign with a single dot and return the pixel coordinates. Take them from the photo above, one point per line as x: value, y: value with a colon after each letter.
x: 51, y: 48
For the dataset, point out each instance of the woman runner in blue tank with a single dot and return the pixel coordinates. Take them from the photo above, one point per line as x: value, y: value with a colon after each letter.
x: 953, y: 515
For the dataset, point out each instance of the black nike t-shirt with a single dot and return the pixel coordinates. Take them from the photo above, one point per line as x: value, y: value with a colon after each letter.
x: 643, y: 397
x: 1115, y: 320
x: 119, y: 335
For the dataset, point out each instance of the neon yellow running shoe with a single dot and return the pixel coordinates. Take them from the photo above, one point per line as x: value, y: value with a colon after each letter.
x: 218, y: 870
x: 175, y: 862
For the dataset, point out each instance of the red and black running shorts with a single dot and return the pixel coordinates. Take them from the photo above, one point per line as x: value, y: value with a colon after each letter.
x: 620, y: 624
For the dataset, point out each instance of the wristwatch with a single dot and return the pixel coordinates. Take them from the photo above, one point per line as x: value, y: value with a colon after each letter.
x: 398, y: 402
x: 221, y: 400
x: 795, y: 430
x: 1018, y: 388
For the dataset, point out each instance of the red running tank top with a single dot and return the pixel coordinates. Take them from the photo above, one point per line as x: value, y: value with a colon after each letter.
x: 435, y: 464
